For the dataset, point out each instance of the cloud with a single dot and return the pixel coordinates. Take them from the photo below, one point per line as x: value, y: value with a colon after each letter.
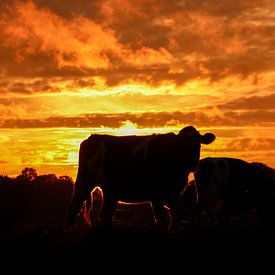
x: 248, y: 144
x: 147, y: 119
x: 225, y: 38
x: 79, y: 43
x: 146, y: 40
x: 50, y: 47
x: 251, y: 103
x: 41, y: 85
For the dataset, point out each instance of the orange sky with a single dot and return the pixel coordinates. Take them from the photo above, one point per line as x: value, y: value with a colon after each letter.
x: 70, y: 68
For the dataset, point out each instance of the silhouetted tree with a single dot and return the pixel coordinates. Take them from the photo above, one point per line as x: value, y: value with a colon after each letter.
x: 5, y: 179
x: 27, y: 175
x: 65, y: 179
x: 46, y: 179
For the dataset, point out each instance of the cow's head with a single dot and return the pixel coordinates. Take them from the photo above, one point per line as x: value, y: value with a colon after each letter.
x: 190, y: 141
x: 191, y: 133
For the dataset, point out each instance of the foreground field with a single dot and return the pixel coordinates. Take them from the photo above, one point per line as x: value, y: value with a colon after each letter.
x: 35, y: 239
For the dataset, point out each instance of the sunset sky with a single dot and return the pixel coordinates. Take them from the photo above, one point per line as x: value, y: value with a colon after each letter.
x: 72, y: 68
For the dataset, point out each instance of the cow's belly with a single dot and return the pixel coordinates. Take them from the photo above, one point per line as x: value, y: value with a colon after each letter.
x: 131, y: 192
x: 135, y: 191
x: 133, y: 198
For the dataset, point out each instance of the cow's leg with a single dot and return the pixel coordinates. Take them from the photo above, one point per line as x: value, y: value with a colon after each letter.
x: 107, y: 210
x: 176, y: 212
x: 96, y: 205
x: 196, y: 209
x: 87, y: 209
x: 160, y: 213
x: 74, y: 209
x: 81, y: 193
x: 184, y: 205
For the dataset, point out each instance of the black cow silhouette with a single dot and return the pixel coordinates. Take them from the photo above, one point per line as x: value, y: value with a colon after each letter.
x: 227, y: 186
x: 151, y: 168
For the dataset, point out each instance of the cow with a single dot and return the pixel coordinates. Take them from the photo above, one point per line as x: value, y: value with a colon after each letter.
x: 228, y: 187
x: 152, y: 168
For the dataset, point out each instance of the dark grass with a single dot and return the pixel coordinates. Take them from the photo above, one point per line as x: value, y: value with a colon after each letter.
x: 35, y: 240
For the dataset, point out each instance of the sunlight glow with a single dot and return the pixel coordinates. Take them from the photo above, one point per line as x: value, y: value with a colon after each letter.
x: 130, y: 128
x: 57, y: 148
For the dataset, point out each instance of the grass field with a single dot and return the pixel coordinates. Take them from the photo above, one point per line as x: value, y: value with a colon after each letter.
x: 35, y: 240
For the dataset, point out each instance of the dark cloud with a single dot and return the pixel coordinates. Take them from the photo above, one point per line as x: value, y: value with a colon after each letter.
x: 248, y: 144
x: 82, y: 83
x: 68, y: 9
x: 251, y: 103
x: 21, y: 86
x: 250, y: 117
x: 225, y: 7
x: 148, y: 119
x: 154, y: 8
x: 254, y: 61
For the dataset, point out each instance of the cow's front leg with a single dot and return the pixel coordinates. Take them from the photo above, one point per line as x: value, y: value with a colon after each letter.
x: 108, y: 210
x: 160, y: 213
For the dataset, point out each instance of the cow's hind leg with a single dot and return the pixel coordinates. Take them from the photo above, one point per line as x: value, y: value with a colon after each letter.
x: 80, y: 195
x: 160, y: 213
x: 175, y: 213
x: 74, y: 209
x: 87, y: 209
x: 96, y: 202
x: 107, y: 210
x: 185, y: 207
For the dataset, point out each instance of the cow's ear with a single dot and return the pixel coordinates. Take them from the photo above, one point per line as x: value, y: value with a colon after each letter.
x: 208, y: 138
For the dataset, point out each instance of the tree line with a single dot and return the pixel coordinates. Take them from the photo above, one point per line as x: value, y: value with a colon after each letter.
x: 29, y: 176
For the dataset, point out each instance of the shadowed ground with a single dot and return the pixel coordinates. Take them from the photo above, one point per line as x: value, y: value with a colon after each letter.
x: 34, y: 239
